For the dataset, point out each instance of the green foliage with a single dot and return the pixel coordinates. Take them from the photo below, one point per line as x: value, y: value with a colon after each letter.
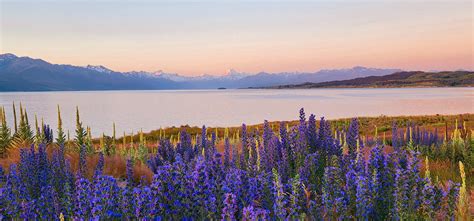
x: 81, y: 133
x: 24, y: 135
x: 463, y: 202
x: 113, y: 146
x: 61, y: 136
x: 88, y: 142
x: 5, y: 134
x: 39, y: 135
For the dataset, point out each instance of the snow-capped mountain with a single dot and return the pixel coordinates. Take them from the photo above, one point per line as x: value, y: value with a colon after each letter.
x: 6, y: 57
x: 99, y: 68
x: 173, y: 77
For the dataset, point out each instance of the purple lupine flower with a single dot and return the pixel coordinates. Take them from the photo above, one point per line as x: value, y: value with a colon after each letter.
x: 297, y: 198
x: 48, y: 134
x: 332, y: 192
x: 267, y: 133
x: 28, y: 210
x: 203, y: 138
x: 235, y: 156
x: 283, y: 137
x: 244, y: 156
x: 67, y: 201
x: 284, y: 165
x: 227, y: 163
x: 250, y: 213
x: 266, y: 148
x: 82, y: 161
x: 129, y: 170
x: 166, y: 151
x: 104, y: 199
x: 300, y: 148
x: 351, y: 189
x: 451, y: 197
x: 11, y: 195
x: 308, y: 171
x: 154, y: 162
x: 47, y: 205
x: 234, y: 184
x: 230, y: 207
x: 253, y: 155
x: 302, y: 116
x: 280, y: 204
x: 311, y: 134
x: 42, y: 166
x: 184, y: 147
x: 204, y: 199
x: 415, y: 182
x: 3, y: 178
x: 143, y: 199
x: 100, y: 165
x: 363, y: 199
x: 428, y: 200
x: 401, y: 194
x: 352, y: 137
x: 82, y: 202
x: 381, y: 183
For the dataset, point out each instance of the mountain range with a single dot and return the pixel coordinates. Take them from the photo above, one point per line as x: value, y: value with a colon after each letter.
x: 29, y: 74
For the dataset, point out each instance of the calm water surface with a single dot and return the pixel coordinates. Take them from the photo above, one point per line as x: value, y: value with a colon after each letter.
x: 148, y: 110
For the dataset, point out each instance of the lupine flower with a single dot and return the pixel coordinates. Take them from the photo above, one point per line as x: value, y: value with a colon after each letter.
x: 363, y: 199
x: 353, y: 137
x: 244, y: 156
x: 235, y: 156
x: 281, y: 203
x: 251, y: 213
x: 100, y: 165
x: 48, y: 134
x: 230, y: 207
x: 104, y: 200
x: 82, y: 198
x: 333, y: 196
x: 82, y: 161
x: 428, y: 204
x: 451, y: 196
x: 2, y: 175
x: 129, y: 172
x: 227, y: 153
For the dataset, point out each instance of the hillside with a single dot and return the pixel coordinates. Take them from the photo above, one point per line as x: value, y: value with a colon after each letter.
x: 395, y: 80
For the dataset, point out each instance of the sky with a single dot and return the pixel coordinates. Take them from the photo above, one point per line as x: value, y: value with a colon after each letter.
x: 211, y: 37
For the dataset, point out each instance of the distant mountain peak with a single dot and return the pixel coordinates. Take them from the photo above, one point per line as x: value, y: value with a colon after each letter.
x: 7, y: 56
x: 99, y: 68
x: 232, y: 74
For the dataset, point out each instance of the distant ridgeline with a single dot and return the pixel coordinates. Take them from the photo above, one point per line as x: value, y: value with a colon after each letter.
x: 399, y: 79
x: 28, y: 74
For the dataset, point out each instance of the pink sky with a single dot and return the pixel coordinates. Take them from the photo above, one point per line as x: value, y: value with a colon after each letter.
x: 210, y: 37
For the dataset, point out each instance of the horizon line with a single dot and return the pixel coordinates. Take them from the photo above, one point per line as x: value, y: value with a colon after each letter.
x: 234, y: 69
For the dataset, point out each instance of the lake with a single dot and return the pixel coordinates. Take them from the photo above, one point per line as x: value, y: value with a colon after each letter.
x: 149, y: 110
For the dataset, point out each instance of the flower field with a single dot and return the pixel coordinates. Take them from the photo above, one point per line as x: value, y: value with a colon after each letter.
x: 310, y: 170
